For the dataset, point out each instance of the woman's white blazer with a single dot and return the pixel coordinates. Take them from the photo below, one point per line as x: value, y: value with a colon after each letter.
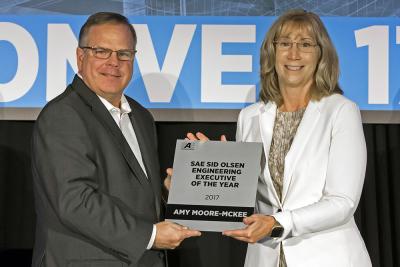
x: 323, y: 179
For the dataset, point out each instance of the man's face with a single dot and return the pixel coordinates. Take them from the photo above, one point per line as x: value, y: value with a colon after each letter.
x: 106, y: 77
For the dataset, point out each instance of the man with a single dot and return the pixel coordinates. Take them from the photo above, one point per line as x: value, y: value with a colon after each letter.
x: 94, y: 160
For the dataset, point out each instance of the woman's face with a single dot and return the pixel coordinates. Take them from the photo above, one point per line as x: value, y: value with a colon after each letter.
x: 296, y: 57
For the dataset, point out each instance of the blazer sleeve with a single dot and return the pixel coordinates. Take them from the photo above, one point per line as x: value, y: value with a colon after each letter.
x: 344, y: 179
x: 239, y: 127
x: 65, y: 168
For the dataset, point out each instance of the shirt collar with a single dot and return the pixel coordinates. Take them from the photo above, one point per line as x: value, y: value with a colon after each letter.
x: 125, y: 107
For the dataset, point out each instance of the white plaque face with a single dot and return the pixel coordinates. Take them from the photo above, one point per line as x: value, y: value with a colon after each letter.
x: 214, y: 184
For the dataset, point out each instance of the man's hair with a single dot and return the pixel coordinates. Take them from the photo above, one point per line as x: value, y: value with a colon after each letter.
x: 105, y: 18
x: 327, y: 71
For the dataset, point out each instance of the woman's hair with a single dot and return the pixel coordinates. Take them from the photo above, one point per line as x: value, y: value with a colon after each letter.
x: 327, y: 71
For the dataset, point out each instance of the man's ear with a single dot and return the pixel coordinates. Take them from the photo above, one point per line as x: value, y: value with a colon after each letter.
x: 80, y: 53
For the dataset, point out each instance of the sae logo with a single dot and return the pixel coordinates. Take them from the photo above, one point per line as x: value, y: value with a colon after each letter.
x: 188, y: 146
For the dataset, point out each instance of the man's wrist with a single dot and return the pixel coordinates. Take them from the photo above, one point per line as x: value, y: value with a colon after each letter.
x: 152, y: 238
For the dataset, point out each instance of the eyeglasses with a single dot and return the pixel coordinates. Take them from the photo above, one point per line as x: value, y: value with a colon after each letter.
x: 105, y: 53
x: 303, y: 46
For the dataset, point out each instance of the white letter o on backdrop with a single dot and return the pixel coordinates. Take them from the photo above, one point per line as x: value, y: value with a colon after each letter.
x: 28, y: 61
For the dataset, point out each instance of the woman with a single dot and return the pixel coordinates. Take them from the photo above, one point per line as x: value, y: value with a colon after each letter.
x: 314, y: 153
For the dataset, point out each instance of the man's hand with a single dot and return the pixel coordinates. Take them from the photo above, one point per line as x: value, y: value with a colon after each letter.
x: 258, y: 227
x: 201, y: 137
x: 170, y: 235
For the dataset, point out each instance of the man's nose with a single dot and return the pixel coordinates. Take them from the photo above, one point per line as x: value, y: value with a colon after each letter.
x: 113, y: 59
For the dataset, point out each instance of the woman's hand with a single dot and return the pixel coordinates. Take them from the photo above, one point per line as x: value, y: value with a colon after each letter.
x: 258, y: 227
x: 167, y: 180
x: 201, y: 137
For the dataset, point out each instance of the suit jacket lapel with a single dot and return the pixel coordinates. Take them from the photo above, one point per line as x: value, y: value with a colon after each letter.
x: 108, y: 122
x: 145, y: 148
x: 304, y: 131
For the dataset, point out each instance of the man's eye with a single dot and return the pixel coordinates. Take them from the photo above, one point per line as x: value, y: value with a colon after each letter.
x: 99, y: 51
x: 125, y: 54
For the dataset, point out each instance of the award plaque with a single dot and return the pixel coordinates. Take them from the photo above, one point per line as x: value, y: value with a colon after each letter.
x: 214, y: 184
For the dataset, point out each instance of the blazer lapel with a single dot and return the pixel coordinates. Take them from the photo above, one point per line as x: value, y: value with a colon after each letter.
x: 108, y: 122
x: 304, y: 131
x: 145, y: 148
x: 266, y: 122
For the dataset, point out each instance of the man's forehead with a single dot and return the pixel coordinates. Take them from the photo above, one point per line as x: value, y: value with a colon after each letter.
x: 108, y: 26
x: 110, y: 32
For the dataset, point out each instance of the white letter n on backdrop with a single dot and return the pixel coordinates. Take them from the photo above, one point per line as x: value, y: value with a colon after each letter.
x: 160, y: 84
x: 61, y: 49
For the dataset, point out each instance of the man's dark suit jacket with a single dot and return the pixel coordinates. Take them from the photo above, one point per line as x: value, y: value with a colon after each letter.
x: 94, y: 204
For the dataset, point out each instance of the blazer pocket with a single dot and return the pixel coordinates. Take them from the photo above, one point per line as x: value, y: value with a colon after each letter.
x: 95, y: 263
